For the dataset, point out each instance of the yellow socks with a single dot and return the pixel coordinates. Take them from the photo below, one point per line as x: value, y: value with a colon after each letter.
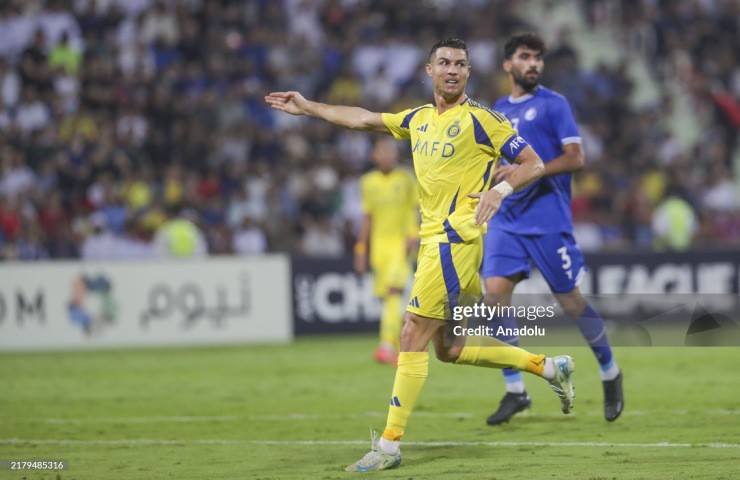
x: 413, y: 368
x: 391, y: 321
x: 504, y: 356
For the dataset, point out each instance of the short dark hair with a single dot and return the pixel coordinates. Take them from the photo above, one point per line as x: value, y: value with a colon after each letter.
x: 527, y: 39
x: 450, y: 43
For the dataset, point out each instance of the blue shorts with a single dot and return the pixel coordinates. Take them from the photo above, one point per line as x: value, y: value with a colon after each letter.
x: 556, y: 255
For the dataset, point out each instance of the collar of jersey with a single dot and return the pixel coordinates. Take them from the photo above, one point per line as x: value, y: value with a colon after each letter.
x: 436, y: 112
x: 525, y: 97
x: 520, y: 99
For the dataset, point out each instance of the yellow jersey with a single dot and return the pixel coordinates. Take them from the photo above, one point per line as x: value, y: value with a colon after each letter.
x: 454, y: 155
x: 391, y: 201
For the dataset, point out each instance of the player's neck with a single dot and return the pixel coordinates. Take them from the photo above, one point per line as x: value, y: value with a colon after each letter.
x: 444, y: 104
x: 518, y: 91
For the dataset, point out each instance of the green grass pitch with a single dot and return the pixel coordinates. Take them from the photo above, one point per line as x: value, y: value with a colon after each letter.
x: 304, y: 411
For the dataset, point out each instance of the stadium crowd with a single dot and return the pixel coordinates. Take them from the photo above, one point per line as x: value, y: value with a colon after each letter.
x: 122, y: 121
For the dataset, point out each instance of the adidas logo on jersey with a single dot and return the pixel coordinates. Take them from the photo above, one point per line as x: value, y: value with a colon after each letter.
x: 414, y: 302
x: 423, y: 128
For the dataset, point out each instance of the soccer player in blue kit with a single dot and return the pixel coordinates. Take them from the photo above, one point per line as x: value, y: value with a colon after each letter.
x: 535, y: 223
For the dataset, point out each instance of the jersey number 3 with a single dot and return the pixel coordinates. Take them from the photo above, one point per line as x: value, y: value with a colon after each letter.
x: 563, y: 251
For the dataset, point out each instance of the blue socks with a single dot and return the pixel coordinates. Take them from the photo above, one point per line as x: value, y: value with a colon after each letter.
x: 513, y: 378
x: 591, y: 326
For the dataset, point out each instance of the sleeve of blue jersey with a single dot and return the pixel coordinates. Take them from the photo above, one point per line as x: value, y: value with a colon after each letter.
x: 562, y: 117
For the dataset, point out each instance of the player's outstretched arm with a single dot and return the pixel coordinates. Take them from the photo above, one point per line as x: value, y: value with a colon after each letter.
x: 530, y: 169
x: 355, y: 118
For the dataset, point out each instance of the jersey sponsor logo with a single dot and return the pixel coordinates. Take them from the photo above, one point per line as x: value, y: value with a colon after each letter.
x: 431, y: 149
x: 530, y: 114
x: 454, y: 129
x: 423, y: 128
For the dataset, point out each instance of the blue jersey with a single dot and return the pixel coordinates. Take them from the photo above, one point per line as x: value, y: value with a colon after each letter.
x: 545, y: 120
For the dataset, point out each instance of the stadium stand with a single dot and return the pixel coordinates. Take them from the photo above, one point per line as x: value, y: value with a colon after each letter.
x: 115, y: 112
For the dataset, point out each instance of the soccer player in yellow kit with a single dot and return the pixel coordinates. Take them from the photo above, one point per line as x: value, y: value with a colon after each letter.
x: 390, y: 226
x: 455, y: 143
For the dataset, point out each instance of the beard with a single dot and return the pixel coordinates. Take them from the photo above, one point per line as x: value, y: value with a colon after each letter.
x: 528, y: 84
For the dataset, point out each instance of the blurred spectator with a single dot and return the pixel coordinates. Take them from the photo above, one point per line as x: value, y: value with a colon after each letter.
x: 31, y: 114
x: 321, y: 239
x: 10, y: 218
x: 160, y: 25
x: 63, y: 55
x: 63, y: 244
x: 131, y: 246
x: 16, y: 177
x: 34, y: 64
x: 52, y: 215
x: 179, y: 237
x: 59, y: 25
x: 10, y: 85
x: 249, y: 239
x: 674, y: 222
x: 101, y: 243
x: 30, y: 245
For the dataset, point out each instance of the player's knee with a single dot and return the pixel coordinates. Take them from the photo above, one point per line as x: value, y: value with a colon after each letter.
x: 493, y: 298
x: 448, y: 354
x: 500, y: 289
x: 413, y: 332
x: 418, y: 331
x: 572, y: 304
x: 409, y: 325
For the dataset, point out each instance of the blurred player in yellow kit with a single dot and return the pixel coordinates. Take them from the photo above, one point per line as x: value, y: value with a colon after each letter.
x: 390, y: 227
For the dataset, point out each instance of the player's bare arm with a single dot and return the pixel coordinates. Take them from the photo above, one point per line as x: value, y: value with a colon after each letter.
x: 354, y: 118
x: 363, y: 238
x: 530, y: 168
x: 570, y: 161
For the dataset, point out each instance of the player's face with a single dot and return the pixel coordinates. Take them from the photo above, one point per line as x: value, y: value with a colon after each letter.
x: 525, y: 67
x: 385, y: 154
x: 449, y: 70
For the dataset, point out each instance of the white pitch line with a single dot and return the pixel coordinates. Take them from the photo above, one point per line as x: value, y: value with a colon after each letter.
x: 188, y: 419
x: 151, y: 441
x: 267, y: 417
x: 343, y: 416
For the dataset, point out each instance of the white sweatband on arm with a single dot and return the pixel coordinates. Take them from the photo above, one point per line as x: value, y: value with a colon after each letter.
x: 504, y: 189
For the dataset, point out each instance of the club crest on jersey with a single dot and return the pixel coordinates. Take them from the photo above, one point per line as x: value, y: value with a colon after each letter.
x: 454, y: 129
x: 530, y: 114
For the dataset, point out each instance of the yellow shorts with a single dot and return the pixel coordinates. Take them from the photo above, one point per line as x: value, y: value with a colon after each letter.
x: 446, y: 273
x: 391, y: 268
